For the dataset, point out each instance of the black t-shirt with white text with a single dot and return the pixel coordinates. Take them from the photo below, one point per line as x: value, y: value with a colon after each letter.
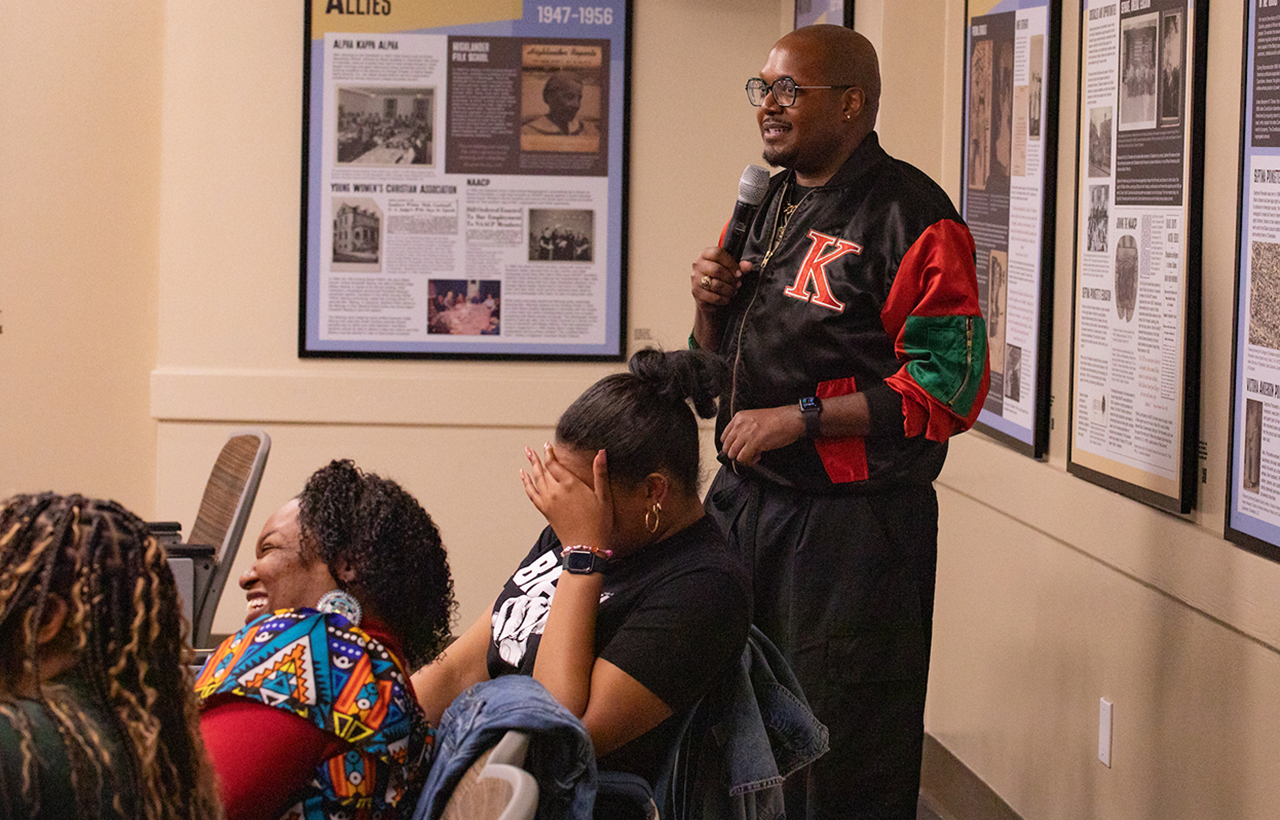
x: 674, y: 616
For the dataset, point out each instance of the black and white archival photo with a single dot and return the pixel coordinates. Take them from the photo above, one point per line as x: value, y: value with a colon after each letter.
x: 557, y: 235
x: 1138, y: 50
x: 1099, y: 205
x: 997, y: 305
x: 1100, y: 141
x: 1251, y: 472
x: 1126, y: 289
x: 1173, y: 41
x: 1035, y: 83
x: 357, y: 235
x: 979, y: 147
x: 1013, y: 373
x: 386, y: 126
x: 1002, y: 113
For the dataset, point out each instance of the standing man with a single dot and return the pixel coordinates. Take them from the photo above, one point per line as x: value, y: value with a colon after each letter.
x: 857, y: 348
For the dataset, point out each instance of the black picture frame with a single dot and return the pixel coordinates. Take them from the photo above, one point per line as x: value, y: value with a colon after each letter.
x: 1135, y: 343
x: 809, y: 12
x: 421, y: 209
x: 1013, y: 149
x: 1251, y: 522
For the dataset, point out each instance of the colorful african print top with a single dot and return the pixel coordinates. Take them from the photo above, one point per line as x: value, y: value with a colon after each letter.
x: 325, y: 670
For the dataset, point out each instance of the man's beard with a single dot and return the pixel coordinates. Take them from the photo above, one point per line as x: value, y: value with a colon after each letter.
x: 779, y: 158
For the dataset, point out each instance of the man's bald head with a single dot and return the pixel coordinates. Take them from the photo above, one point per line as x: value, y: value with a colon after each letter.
x: 844, y: 57
x: 837, y: 80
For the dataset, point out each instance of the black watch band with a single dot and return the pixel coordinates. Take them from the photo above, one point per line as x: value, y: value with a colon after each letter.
x: 584, y: 560
x: 811, y: 409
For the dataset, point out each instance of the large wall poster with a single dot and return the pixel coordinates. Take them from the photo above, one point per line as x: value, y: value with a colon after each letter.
x: 1008, y: 192
x: 1135, y: 370
x: 464, y: 185
x: 1253, y: 483
x: 816, y: 12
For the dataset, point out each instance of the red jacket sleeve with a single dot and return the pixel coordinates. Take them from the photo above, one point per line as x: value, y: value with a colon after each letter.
x: 933, y: 316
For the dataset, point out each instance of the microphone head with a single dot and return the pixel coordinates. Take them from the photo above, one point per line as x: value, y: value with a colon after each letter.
x: 753, y: 185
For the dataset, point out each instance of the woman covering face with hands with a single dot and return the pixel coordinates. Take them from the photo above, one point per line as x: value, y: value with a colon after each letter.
x: 628, y: 607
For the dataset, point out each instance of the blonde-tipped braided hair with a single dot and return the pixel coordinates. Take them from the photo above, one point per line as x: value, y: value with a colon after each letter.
x: 128, y: 637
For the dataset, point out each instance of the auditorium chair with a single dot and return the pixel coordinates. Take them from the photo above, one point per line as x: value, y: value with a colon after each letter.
x: 203, y: 562
x: 494, y: 787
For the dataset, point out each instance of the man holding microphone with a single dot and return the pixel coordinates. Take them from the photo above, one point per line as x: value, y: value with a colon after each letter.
x: 857, y: 347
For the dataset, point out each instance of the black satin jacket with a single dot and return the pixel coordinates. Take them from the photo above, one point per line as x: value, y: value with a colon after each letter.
x: 822, y: 314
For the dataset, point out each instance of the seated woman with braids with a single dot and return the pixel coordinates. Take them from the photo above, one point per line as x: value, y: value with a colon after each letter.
x: 651, y: 608
x: 308, y: 710
x: 97, y: 717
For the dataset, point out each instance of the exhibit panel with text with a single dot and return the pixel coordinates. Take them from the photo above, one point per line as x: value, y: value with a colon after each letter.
x: 1008, y: 192
x: 464, y: 181
x: 1253, y: 492
x: 1135, y: 351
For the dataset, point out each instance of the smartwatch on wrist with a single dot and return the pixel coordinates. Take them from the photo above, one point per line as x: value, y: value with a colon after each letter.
x: 584, y: 560
x: 811, y: 410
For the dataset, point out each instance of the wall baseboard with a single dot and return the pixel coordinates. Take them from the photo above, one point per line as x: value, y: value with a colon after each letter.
x: 953, y: 791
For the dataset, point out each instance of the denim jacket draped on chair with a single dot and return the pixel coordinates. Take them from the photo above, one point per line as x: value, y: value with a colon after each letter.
x: 747, y: 736
x: 561, y: 757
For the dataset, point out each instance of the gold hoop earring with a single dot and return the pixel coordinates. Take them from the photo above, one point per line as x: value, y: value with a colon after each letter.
x: 656, y: 512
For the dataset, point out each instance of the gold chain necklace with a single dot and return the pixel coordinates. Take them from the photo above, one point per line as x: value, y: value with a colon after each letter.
x: 787, y: 211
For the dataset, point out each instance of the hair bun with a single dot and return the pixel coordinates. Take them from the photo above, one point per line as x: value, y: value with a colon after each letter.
x: 681, y: 375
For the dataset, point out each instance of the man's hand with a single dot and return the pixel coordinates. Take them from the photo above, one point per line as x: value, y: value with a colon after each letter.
x: 714, y: 282
x: 716, y: 277
x: 752, y: 432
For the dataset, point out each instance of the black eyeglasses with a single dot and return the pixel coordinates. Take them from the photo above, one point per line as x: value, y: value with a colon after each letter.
x: 784, y: 90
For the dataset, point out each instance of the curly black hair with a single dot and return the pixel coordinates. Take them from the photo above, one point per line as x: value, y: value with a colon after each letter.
x: 389, y: 540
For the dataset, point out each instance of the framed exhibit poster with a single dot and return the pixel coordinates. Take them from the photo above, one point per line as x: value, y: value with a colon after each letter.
x: 1135, y: 364
x: 1253, y: 474
x: 464, y: 179
x: 1008, y: 190
x: 813, y: 12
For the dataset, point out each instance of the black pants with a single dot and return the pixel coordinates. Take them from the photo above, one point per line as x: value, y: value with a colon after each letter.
x: 844, y: 586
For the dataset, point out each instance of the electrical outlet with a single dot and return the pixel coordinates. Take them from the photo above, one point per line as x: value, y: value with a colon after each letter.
x: 1104, y: 732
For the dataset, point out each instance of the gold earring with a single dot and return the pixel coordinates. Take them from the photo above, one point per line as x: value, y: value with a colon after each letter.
x: 656, y: 512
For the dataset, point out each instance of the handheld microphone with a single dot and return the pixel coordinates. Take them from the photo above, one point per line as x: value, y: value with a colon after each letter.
x: 751, y: 191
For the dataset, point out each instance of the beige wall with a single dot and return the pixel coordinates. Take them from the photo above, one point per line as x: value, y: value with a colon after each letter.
x: 452, y: 432
x: 79, y: 216
x: 154, y: 235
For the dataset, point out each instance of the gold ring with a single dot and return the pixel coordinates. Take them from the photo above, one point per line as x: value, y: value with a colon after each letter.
x: 706, y: 282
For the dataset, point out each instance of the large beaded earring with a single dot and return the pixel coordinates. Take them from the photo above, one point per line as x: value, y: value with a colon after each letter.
x: 341, y: 602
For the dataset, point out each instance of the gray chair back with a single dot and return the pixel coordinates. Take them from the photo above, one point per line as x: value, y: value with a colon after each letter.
x: 220, y: 522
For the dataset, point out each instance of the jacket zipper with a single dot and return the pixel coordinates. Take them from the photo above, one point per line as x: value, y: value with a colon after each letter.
x: 777, y: 233
x: 742, y: 323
